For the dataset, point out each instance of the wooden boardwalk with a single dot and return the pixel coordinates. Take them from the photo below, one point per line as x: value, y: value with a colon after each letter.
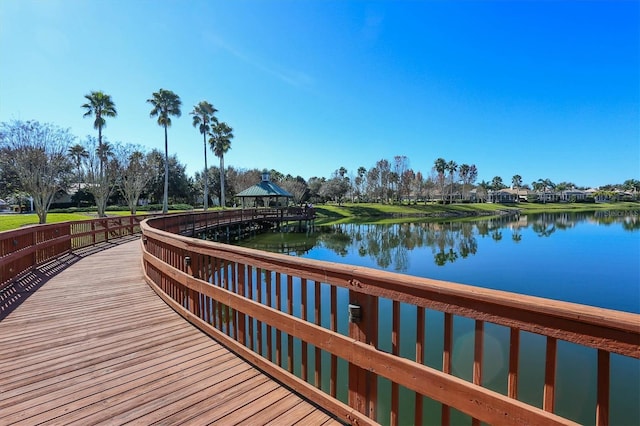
x: 96, y: 345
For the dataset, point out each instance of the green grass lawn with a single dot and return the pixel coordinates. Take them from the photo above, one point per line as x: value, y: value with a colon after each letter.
x: 350, y: 211
x: 14, y: 221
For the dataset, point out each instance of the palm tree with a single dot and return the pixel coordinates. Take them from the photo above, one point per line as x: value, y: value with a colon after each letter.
x: 104, y: 152
x: 545, y: 184
x: 100, y: 106
x: 165, y: 103
x: 220, y: 143
x: 465, y: 169
x: 77, y: 153
x: 203, y: 116
x: 484, y: 188
x: 440, y: 166
x: 451, y: 167
x: 516, y: 183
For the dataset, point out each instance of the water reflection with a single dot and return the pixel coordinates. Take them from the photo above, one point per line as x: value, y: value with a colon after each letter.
x: 388, y: 246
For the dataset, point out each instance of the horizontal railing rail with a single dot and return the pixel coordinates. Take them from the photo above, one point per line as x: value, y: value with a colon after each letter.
x: 332, y: 331
x: 23, y: 249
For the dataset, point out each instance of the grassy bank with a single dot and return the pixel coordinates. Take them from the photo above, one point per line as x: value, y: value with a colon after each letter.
x: 384, y: 212
x: 369, y: 212
x: 14, y: 221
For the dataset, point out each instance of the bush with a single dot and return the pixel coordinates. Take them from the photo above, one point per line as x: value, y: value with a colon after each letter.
x: 73, y: 210
x: 588, y: 200
x: 180, y: 207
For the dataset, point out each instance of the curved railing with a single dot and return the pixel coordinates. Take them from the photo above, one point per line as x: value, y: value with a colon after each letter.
x: 23, y: 249
x: 320, y: 329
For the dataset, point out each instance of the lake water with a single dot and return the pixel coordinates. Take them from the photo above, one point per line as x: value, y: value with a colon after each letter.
x: 591, y: 259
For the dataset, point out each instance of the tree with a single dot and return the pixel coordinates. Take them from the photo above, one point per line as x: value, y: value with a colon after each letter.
x: 100, y: 106
x: 483, y: 190
x: 418, y: 186
x: 516, y: 181
x: 180, y: 185
x: 203, y: 117
x: 468, y: 175
x: 400, y: 167
x: 464, y: 171
x: 220, y: 142
x: 452, y: 168
x: 497, y: 184
x: 335, y: 188
x: 37, y: 155
x: 101, y: 173
x: 315, y: 186
x: 544, y: 185
x: 440, y: 166
x: 296, y: 187
x: 78, y: 154
x: 359, y: 182
x: 632, y: 185
x: 137, y: 169
x: 165, y: 104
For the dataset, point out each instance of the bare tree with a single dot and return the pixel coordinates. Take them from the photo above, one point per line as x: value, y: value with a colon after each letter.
x: 296, y: 187
x: 137, y: 169
x: 37, y: 154
x: 101, y: 172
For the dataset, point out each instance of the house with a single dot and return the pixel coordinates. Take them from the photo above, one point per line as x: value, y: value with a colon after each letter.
x: 571, y: 195
x: 508, y: 195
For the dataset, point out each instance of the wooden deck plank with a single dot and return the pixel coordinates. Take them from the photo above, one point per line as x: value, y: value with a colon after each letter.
x: 96, y: 344
x: 75, y: 390
x: 132, y: 361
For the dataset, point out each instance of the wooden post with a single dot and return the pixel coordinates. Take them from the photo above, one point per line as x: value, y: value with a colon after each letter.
x: 363, y: 386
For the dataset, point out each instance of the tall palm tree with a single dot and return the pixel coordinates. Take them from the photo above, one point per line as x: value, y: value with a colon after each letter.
x: 100, y: 106
x: 516, y: 183
x: 77, y: 153
x: 440, y: 166
x: 220, y: 142
x: 165, y: 104
x: 203, y: 117
x: 465, y: 169
x: 451, y: 167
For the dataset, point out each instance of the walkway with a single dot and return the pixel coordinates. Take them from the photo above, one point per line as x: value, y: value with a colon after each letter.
x: 95, y: 345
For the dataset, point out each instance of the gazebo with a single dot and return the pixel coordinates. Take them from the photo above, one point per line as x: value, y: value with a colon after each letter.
x: 265, y: 193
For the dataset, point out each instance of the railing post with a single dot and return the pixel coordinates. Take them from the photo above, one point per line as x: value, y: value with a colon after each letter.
x: 363, y: 385
x: 191, y: 303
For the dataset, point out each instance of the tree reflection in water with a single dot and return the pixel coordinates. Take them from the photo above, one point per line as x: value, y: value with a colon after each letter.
x: 388, y: 245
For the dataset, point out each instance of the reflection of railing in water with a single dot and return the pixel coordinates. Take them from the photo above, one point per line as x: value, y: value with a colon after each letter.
x: 261, y: 293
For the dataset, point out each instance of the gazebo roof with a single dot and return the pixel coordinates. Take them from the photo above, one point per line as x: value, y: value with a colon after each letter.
x: 266, y: 188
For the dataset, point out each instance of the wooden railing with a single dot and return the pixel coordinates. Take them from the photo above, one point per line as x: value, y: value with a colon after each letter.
x: 25, y: 248
x: 320, y: 328
x: 191, y: 224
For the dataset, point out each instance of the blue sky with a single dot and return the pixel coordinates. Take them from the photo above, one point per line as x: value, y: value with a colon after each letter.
x: 544, y: 89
